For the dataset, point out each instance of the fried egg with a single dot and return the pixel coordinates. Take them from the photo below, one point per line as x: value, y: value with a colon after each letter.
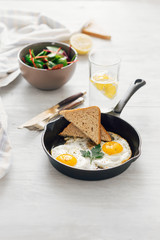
x: 115, y: 153
x: 70, y: 154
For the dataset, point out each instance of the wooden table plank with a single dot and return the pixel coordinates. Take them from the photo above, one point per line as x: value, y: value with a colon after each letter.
x: 37, y: 201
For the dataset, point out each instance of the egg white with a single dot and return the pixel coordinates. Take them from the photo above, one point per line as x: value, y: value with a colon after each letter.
x: 73, y: 146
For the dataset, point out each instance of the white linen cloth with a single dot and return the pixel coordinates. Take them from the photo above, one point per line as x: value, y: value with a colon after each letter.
x: 18, y: 28
x: 5, y: 147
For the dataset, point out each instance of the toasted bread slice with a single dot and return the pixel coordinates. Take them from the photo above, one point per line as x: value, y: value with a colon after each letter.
x: 88, y: 120
x: 72, y: 131
x: 105, y: 136
x: 95, y: 30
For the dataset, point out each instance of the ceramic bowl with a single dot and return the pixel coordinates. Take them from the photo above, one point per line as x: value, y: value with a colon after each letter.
x: 43, y: 78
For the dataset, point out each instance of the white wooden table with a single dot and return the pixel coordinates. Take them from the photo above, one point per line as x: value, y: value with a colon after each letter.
x: 37, y: 201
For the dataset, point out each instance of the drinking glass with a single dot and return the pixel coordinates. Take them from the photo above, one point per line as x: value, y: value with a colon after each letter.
x: 103, y: 79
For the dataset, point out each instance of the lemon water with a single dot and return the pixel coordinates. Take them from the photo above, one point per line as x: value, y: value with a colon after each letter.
x: 103, y: 91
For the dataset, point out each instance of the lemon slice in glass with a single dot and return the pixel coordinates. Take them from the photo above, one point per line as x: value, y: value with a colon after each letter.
x: 82, y: 43
x: 105, y: 85
x: 110, y: 90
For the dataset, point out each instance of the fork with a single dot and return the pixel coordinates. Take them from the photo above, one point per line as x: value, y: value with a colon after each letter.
x: 39, y: 126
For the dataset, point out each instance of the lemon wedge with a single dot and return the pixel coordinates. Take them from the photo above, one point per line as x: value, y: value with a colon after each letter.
x: 81, y: 42
x: 105, y: 85
x: 110, y: 90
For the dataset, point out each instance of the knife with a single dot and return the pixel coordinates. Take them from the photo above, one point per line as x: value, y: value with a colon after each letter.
x: 53, y: 111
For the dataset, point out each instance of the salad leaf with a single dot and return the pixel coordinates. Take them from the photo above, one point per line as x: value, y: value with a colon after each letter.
x: 62, y: 61
x: 55, y: 49
x: 50, y: 64
x: 42, y: 53
x: 73, y: 58
x: 52, y: 55
x: 28, y: 60
x: 38, y: 63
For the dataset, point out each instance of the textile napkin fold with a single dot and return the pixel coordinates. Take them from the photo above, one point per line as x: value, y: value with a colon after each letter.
x: 18, y: 28
x: 5, y: 147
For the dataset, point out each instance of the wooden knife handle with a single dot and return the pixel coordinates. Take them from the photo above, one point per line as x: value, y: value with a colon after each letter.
x: 73, y: 104
x: 71, y: 99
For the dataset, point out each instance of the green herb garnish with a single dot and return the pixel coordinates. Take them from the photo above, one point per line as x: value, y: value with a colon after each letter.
x: 94, y: 153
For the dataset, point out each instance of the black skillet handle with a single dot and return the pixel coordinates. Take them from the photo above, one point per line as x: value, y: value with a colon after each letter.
x: 132, y: 89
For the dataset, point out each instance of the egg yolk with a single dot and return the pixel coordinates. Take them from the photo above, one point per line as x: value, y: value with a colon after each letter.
x: 112, y: 148
x: 67, y: 159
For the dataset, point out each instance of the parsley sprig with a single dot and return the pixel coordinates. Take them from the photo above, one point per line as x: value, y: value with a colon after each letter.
x: 94, y: 153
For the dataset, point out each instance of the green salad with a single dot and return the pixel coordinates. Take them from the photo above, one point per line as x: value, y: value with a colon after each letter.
x: 50, y: 58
